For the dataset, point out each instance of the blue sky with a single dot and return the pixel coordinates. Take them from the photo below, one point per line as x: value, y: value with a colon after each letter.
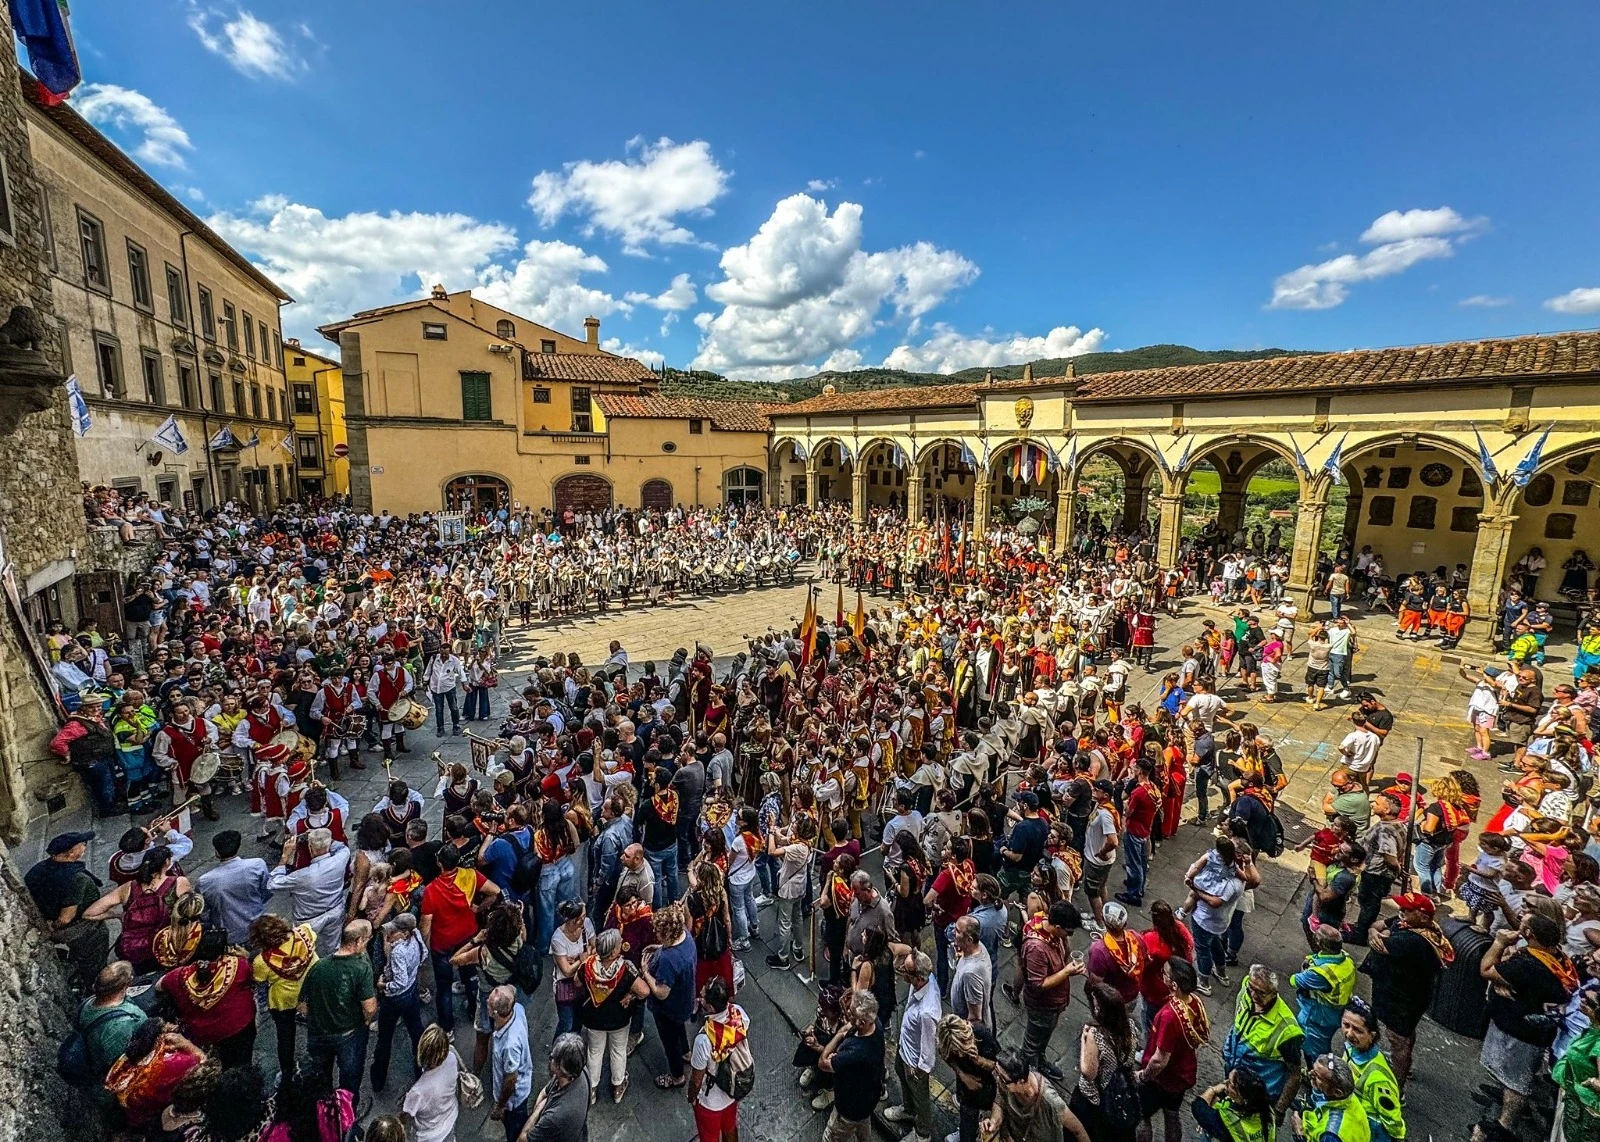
x: 766, y: 189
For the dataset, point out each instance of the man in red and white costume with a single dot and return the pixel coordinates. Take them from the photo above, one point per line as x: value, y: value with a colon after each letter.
x: 175, y: 748
x: 320, y: 808
x: 339, y: 702
x: 264, y: 720
x: 390, y: 682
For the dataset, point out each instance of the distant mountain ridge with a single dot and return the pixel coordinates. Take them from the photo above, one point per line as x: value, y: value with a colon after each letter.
x: 699, y: 383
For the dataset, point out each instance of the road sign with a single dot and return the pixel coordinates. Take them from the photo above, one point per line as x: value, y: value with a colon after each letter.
x: 341, y: 450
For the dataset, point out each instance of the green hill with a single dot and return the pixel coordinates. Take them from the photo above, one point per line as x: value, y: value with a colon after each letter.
x: 678, y: 382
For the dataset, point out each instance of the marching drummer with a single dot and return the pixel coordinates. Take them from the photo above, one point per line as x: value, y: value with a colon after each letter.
x: 263, y: 721
x: 320, y: 808
x: 338, y: 707
x: 270, y: 787
x: 390, y: 682
x: 178, y: 748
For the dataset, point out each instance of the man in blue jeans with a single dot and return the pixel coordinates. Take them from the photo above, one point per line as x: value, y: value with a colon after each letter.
x: 338, y: 1000
x: 655, y: 822
x: 1217, y: 888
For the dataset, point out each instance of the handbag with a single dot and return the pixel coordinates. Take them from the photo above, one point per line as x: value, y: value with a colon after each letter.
x: 567, y: 990
x: 469, y: 1087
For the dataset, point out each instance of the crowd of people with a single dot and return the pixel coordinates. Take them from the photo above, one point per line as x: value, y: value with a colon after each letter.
x: 901, y: 793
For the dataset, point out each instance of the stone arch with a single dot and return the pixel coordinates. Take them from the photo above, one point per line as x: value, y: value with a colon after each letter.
x: 581, y: 491
x: 1270, y: 450
x: 471, y: 492
x: 926, y: 449
x: 1110, y: 445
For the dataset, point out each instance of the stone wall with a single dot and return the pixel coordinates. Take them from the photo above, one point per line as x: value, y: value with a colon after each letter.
x: 38, y: 1011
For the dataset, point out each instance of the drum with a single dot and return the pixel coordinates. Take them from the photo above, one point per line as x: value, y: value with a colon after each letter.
x: 288, y: 739
x: 305, y: 747
x: 353, y: 726
x: 399, y: 711
x: 415, y: 716
x: 205, y: 768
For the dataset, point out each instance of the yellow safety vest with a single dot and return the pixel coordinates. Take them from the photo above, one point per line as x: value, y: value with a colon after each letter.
x: 1345, y: 1118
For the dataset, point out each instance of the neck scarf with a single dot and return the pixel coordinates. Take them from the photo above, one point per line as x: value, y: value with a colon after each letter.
x: 1192, y: 1018
x: 964, y: 875
x: 1560, y: 965
x: 666, y: 803
x: 725, y: 1036
x: 207, y: 995
x: 601, y: 982
x: 170, y: 951
x: 1441, y: 946
x: 1128, y: 952
x: 292, y: 958
x: 752, y: 845
x: 549, y: 850
x: 718, y: 814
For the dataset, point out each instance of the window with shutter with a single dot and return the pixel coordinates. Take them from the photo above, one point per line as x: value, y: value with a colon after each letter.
x: 475, y: 404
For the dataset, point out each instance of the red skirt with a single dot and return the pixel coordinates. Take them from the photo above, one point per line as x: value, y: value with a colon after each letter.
x: 705, y: 969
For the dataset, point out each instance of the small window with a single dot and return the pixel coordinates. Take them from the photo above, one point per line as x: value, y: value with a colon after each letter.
x: 582, y: 417
x: 214, y: 382
x: 92, y: 241
x: 1576, y: 493
x: 541, y: 396
x: 1387, y: 452
x: 1380, y: 511
x: 504, y: 328
x: 1372, y: 477
x: 1399, y: 477
x: 1578, y: 465
x: 139, y: 278
x: 272, y: 404
x: 186, y: 390
x: 1464, y: 519
x: 696, y: 427
x: 1540, y: 490
x: 177, y: 298
x: 249, y: 336
x: 108, y: 364
x: 299, y: 362
x: 1560, y: 525
x: 309, y: 450
x: 1470, y: 484
x: 154, y: 386
x: 1424, y: 511
x: 475, y: 402
x: 255, y: 401
x: 208, y: 315
x: 580, y: 459
x: 266, y: 342
x: 305, y: 400
x: 435, y: 331
x: 230, y: 326
x: 547, y: 346
x: 668, y: 446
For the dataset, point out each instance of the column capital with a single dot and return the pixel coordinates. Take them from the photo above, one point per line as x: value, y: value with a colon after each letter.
x: 1172, y: 499
x: 1313, y: 507
x: 915, y: 477
x: 1505, y: 522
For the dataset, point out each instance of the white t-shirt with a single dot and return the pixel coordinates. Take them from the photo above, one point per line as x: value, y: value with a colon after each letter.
x: 741, y: 864
x: 712, y: 1097
x: 432, y: 1102
x: 562, y: 945
x: 1101, y: 826
x: 1206, y: 707
x: 1360, y: 750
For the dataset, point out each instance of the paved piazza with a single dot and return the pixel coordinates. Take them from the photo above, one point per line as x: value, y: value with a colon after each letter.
x: 1424, y: 691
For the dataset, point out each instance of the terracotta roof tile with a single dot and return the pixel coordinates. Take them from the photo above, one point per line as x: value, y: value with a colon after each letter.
x: 724, y: 415
x: 870, y: 400
x: 602, y: 368
x: 1555, y: 355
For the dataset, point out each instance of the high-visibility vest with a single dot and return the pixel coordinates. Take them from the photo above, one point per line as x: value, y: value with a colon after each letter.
x: 1344, y: 1118
x: 1379, y: 1092
x: 1247, y: 1128
x: 1341, y: 978
x: 1256, y: 1041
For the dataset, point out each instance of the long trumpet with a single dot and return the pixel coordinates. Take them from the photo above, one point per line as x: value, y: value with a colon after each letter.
x: 168, y: 818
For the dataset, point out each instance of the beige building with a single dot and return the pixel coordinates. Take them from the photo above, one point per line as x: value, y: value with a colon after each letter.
x: 452, y: 403
x: 160, y: 317
x: 1401, y: 427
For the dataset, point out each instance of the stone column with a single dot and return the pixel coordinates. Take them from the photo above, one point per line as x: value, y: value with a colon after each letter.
x: 914, y: 483
x: 1303, y: 555
x: 1171, y: 533
x: 1230, y: 510
x: 858, y: 492
x: 1135, y: 501
x: 1066, y: 516
x: 1489, y: 557
x: 980, y: 514
x: 811, y: 482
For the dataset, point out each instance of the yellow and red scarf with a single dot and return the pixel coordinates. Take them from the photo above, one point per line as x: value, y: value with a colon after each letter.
x: 549, y: 851
x: 964, y: 875
x: 1437, y: 940
x: 666, y: 803
x: 718, y: 814
x: 207, y: 995
x: 1560, y: 965
x: 292, y: 958
x: 1127, y: 950
x: 598, y: 981
x: 725, y: 1036
x: 170, y: 952
x: 753, y: 845
x: 1192, y: 1018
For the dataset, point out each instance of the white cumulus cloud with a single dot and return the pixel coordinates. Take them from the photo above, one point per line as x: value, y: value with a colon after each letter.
x: 1585, y: 299
x: 1485, y: 301
x: 162, y: 141
x: 1399, y: 240
x: 802, y: 288
x: 648, y: 356
x: 947, y: 351
x: 678, y: 296
x: 544, y: 284
x: 638, y: 199
x: 254, y: 47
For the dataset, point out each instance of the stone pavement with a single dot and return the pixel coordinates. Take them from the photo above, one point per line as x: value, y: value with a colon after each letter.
x: 1424, y: 691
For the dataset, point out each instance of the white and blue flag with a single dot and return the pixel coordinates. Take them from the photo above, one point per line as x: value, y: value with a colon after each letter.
x: 170, y: 437
x: 81, y: 420
x: 1523, y: 472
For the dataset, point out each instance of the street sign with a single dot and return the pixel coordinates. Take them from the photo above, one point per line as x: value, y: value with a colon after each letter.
x: 341, y: 450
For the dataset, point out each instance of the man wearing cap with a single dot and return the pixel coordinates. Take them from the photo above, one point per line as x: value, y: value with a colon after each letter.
x: 1023, y: 847
x: 1408, y: 953
x: 63, y: 887
x: 1100, y: 849
x: 1324, y: 986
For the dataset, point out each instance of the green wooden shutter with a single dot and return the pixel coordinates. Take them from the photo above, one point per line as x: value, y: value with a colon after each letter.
x: 475, y: 403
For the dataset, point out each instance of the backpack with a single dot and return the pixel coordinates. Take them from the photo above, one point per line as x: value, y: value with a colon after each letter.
x: 1119, y: 1103
x: 735, y: 1075
x: 1275, y: 847
x: 73, y: 1059
x: 526, y: 968
x: 525, y: 864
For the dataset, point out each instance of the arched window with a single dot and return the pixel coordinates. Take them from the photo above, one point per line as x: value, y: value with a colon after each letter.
x: 742, y: 486
x: 477, y: 493
x: 655, y: 495
x: 504, y: 328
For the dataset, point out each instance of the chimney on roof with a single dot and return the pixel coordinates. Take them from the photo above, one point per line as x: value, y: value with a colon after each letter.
x: 439, y: 292
x: 294, y: 342
x: 988, y: 376
x: 1027, y: 372
x: 1072, y: 370
x: 591, y: 331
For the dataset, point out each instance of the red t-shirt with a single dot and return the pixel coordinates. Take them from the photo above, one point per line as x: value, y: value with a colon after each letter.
x: 949, y: 904
x: 235, y: 1011
x: 448, y: 899
x: 1166, y: 1034
x: 1151, y: 986
x: 1141, y: 815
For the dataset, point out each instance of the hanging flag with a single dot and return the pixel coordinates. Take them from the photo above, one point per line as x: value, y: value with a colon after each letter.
x: 1183, y: 461
x: 1071, y: 462
x: 808, y: 629
x: 838, y: 610
x: 170, y: 437
x: 800, y: 452
x: 967, y: 456
x: 1161, y: 457
x: 1302, y: 465
x: 254, y: 441
x: 844, y: 453
x: 1334, y: 465
x: 858, y: 621
x: 42, y: 27
x: 224, y: 438
x: 287, y: 443
x: 1491, y: 471
x: 81, y: 420
x: 1523, y: 472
